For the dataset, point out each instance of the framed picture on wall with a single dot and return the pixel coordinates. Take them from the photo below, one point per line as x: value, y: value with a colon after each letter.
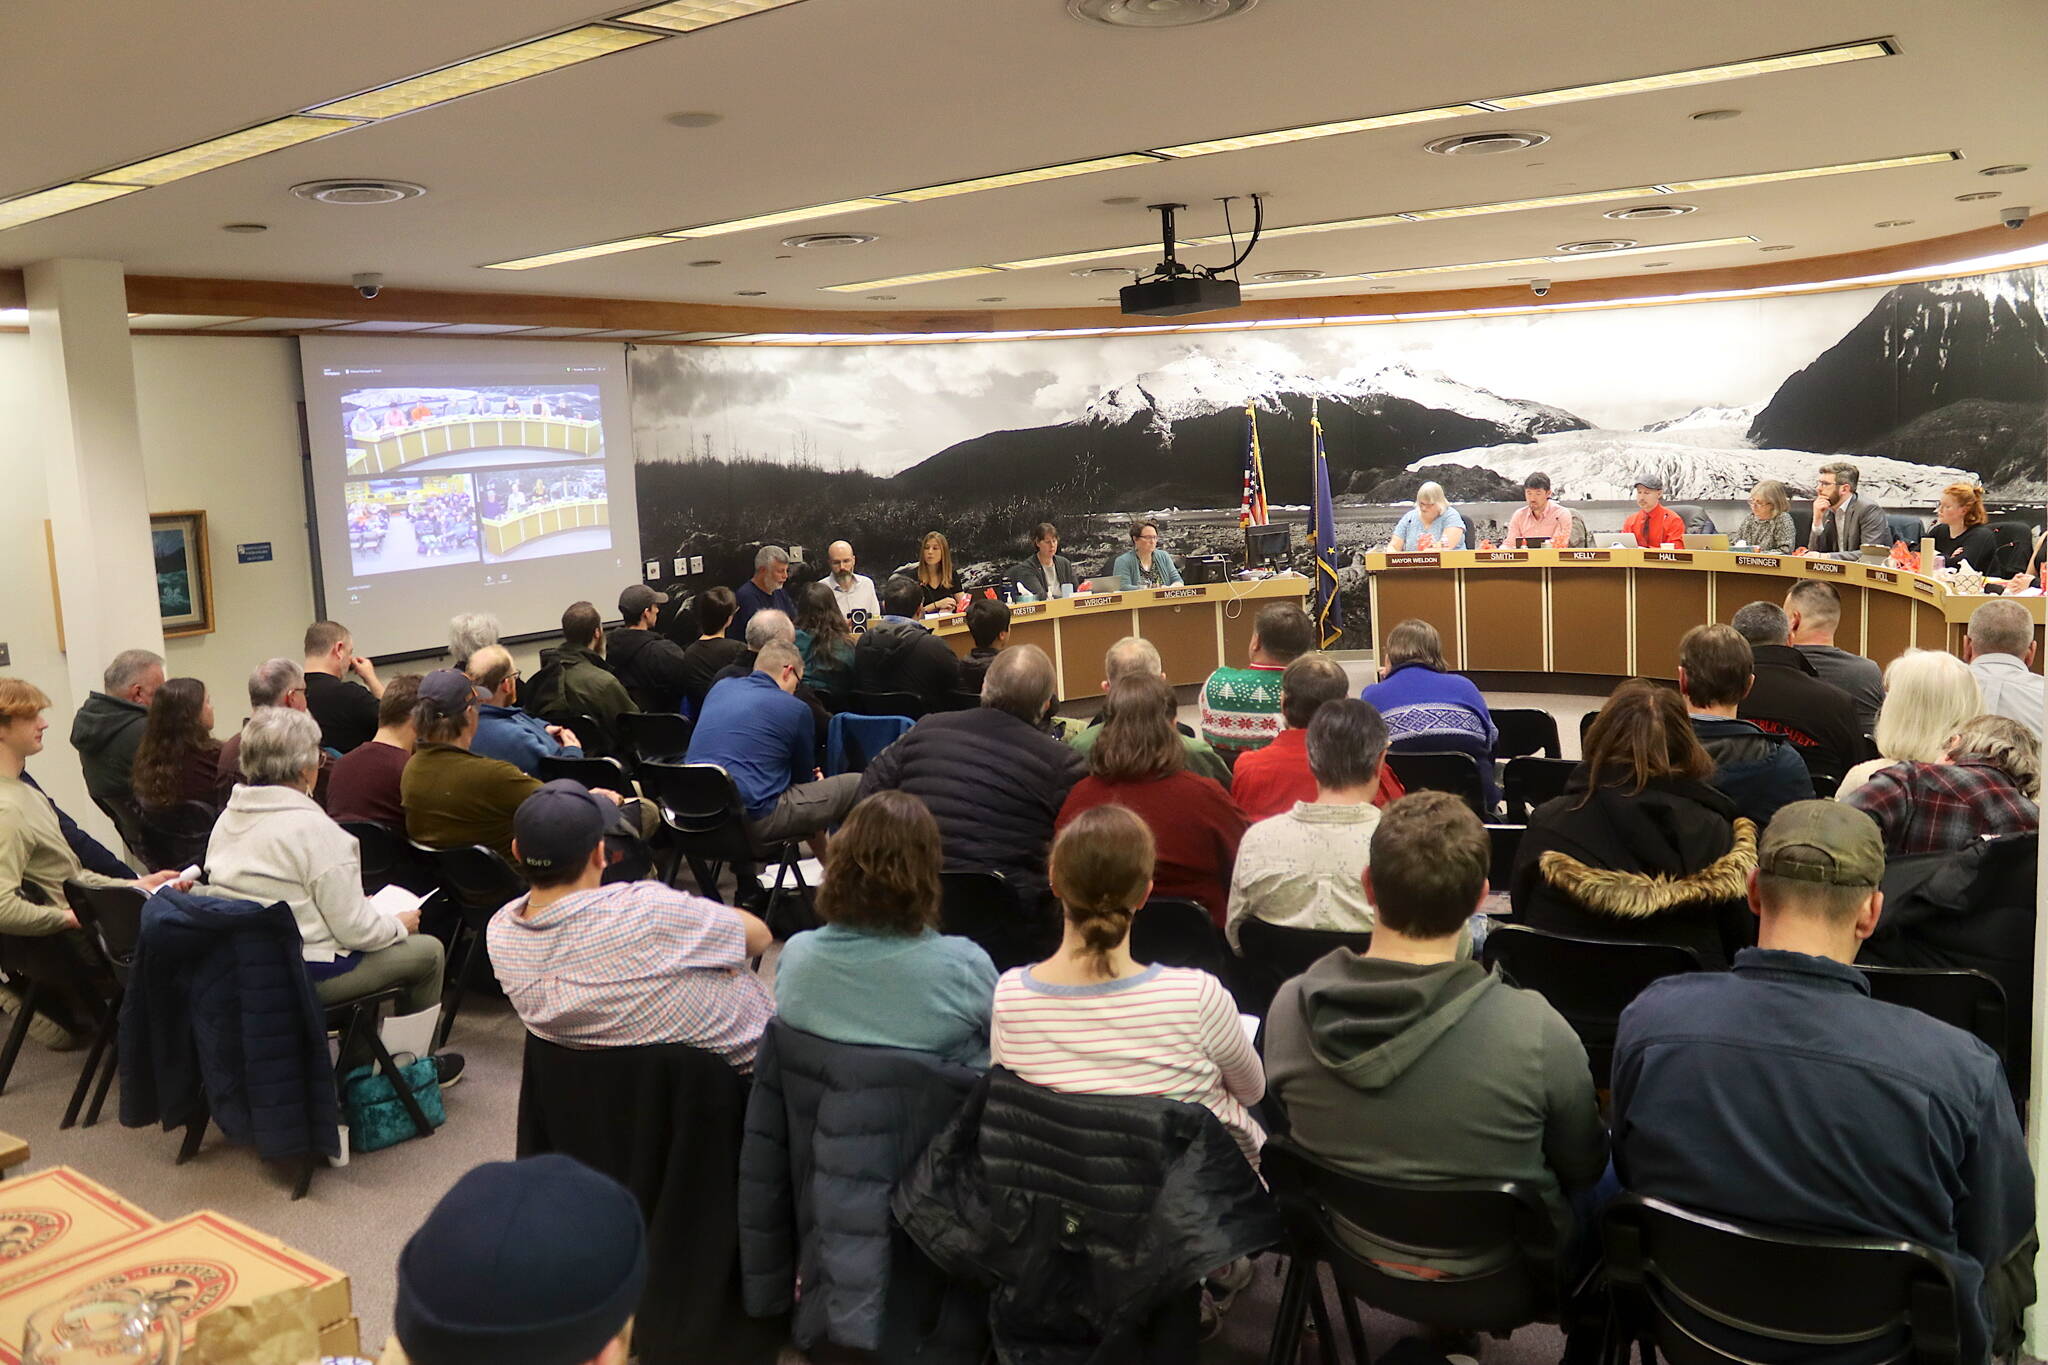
x: 184, y: 572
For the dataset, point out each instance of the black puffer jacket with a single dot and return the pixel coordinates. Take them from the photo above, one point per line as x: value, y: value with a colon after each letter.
x: 651, y: 666
x: 994, y: 783
x: 1082, y: 1214
x: 831, y: 1128
x: 895, y: 655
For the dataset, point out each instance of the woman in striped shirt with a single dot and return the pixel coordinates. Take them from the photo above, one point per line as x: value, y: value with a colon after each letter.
x: 1091, y: 1021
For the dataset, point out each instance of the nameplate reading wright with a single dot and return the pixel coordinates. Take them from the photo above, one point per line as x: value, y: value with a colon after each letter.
x: 1667, y: 557
x: 1424, y: 560
x: 1503, y: 556
x: 1880, y: 576
x: 1756, y: 561
x: 1098, y: 600
x: 1027, y: 609
x: 1824, y: 566
x: 1172, y: 594
x: 1585, y: 556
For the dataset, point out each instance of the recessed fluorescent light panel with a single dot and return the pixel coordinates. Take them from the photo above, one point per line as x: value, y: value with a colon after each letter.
x: 778, y: 219
x: 1726, y: 182
x: 687, y: 16
x: 62, y: 199
x: 580, y: 253
x: 226, y: 151
x: 487, y: 73
x: 1702, y: 75
x: 1316, y: 130
x: 931, y: 278
x: 1409, y: 271
x: 1031, y: 177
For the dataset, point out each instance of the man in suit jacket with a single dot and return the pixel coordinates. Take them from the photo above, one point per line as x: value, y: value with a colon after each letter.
x: 1844, y: 519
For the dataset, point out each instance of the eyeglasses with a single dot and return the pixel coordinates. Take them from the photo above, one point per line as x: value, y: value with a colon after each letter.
x: 296, y: 692
x: 1153, y: 536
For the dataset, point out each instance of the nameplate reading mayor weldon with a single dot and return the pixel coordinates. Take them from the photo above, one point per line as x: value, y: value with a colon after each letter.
x: 1429, y: 559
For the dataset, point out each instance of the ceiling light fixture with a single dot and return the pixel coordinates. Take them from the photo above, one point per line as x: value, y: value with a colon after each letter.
x: 580, y: 253
x: 1978, y: 196
x: 1485, y: 144
x: 487, y: 73
x: 1098, y: 271
x: 49, y: 203
x: 994, y: 298
x: 830, y: 239
x: 880, y: 298
x: 1279, y: 136
x: 761, y: 220
x: 245, y: 227
x: 1700, y: 75
x: 226, y: 151
x: 749, y: 293
x: 1517, y: 205
x: 2013, y: 169
x: 1156, y: 14
x: 687, y: 16
x: 1275, y: 275
x: 1726, y: 182
x: 1894, y: 222
x: 1782, y: 246
x: 931, y: 277
x: 1595, y: 244
x: 1563, y: 258
x: 358, y: 193
x: 1030, y: 177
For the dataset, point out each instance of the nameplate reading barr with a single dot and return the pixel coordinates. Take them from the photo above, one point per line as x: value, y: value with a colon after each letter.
x: 1667, y: 557
x: 1756, y: 561
x: 1503, y: 556
x: 1425, y: 560
x: 1172, y: 594
x: 1824, y: 566
x: 1585, y: 556
x: 1027, y: 609
x: 1098, y: 600
x: 1880, y: 576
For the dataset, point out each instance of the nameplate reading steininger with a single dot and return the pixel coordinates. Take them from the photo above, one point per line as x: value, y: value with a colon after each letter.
x: 1098, y: 600
x: 1428, y: 559
x: 1828, y: 566
x: 1174, y: 594
x: 1585, y: 556
x: 1757, y: 561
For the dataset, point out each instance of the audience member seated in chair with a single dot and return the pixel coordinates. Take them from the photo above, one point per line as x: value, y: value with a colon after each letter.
x: 1429, y: 708
x: 1788, y: 697
x: 879, y: 973
x: 988, y: 624
x: 452, y: 795
x: 897, y: 654
x: 1639, y: 848
x: 1781, y: 1094
x: 1929, y: 695
x: 274, y: 682
x: 366, y: 781
x: 178, y: 756
x: 1987, y: 784
x: 1135, y: 654
x: 766, y: 739
x: 825, y: 640
x: 713, y: 650
x: 2000, y: 647
x: 107, y: 729
x: 503, y: 730
x: 273, y: 843
x: 991, y: 777
x: 770, y: 626
x: 1411, y: 1064
x: 1241, y: 706
x: 1301, y: 870
x: 484, y: 1279
x: 346, y: 712
x: 1072, y: 1022
x: 1273, y: 780
x: 652, y: 668
x: 1139, y: 764
x: 1813, y: 609
x: 1753, y: 768
x: 589, y: 965
x: 35, y: 859
x: 574, y: 678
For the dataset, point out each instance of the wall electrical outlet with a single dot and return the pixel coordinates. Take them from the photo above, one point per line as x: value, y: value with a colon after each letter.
x: 696, y: 563
x: 5, y: 658
x: 682, y: 566
x: 653, y: 568
x: 796, y: 553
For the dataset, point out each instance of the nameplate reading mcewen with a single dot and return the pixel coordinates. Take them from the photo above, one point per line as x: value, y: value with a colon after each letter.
x: 1424, y: 560
x: 1173, y: 594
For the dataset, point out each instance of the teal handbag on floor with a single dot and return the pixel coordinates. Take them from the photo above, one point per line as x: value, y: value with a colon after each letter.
x: 370, y: 1107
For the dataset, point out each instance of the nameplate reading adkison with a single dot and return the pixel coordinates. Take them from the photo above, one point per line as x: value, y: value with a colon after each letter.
x: 1824, y: 566
x: 1172, y: 594
x: 1426, y: 560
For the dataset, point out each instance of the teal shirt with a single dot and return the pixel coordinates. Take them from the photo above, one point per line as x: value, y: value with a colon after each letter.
x: 931, y: 992
x: 1133, y: 577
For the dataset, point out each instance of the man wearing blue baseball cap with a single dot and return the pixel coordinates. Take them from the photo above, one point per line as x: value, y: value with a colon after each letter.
x: 591, y: 965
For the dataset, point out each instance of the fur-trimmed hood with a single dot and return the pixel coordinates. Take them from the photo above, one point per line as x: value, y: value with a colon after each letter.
x: 1639, y: 895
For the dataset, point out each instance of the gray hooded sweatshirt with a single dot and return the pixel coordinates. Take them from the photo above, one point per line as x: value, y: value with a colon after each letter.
x: 1411, y: 1074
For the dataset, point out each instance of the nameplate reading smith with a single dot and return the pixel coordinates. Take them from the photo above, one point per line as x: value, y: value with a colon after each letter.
x: 1170, y: 594
x: 1428, y: 560
x: 1756, y: 561
x: 1585, y: 556
x: 1824, y: 566
x: 1503, y: 556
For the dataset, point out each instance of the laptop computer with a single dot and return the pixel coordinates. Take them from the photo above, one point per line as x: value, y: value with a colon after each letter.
x: 1706, y: 542
x: 1615, y: 540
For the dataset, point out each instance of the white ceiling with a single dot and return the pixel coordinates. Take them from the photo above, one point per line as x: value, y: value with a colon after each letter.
x: 829, y: 99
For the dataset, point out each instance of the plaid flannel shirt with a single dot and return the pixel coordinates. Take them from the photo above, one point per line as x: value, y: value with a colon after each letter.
x: 1940, y: 807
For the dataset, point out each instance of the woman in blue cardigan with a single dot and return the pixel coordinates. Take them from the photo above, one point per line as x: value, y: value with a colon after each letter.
x: 1145, y: 565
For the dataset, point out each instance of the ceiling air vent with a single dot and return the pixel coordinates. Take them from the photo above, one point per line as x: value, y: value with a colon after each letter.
x: 830, y: 239
x: 1272, y: 276
x: 1156, y: 13
x: 1485, y: 144
x: 356, y: 193
x: 1596, y: 244
x: 1642, y: 211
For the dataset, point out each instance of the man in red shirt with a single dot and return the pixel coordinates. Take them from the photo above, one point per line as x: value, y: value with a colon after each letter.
x: 1269, y: 781
x: 1656, y: 525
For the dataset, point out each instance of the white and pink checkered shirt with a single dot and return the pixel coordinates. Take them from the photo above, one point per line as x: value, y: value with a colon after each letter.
x: 632, y: 963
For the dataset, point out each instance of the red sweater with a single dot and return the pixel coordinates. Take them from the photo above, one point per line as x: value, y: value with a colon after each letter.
x: 1656, y: 528
x: 1193, y: 824
x: 1268, y: 782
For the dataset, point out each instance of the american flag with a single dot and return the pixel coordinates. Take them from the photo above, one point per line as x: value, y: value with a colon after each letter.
x: 1251, y: 508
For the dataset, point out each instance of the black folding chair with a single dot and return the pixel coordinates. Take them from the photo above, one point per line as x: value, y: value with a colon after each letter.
x: 892, y: 704
x: 1441, y: 771
x: 655, y: 736
x: 1492, y: 1222
x: 477, y: 882
x: 1585, y: 724
x: 175, y: 836
x: 708, y: 826
x: 593, y: 736
x: 1275, y: 954
x: 1973, y: 1001
x: 112, y: 919
x: 47, y: 975
x: 1529, y: 782
x: 1588, y: 981
x: 126, y: 818
x: 608, y: 773
x: 388, y: 857
x: 1827, y: 776
x: 1525, y: 730
x: 984, y: 907
x: 1174, y: 932
x: 1695, y: 1281
x: 1506, y: 841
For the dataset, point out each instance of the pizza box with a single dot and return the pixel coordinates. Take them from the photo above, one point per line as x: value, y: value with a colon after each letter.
x: 344, y: 1338
x: 56, y: 1216
x: 196, y: 1264
x: 13, y: 1151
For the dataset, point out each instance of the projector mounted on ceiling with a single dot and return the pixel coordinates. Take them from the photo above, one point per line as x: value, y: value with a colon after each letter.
x: 1172, y: 288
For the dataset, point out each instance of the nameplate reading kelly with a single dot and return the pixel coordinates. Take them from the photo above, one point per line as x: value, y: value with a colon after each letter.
x: 1756, y: 561
x: 1585, y: 556
x: 1428, y: 560
x: 1503, y: 556
x: 1173, y: 594
x: 1106, y: 600
x: 1027, y: 609
x: 1667, y: 557
x: 1824, y: 566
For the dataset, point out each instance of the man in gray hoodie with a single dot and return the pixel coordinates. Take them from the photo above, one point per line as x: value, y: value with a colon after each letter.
x: 1409, y: 1064
x: 107, y: 730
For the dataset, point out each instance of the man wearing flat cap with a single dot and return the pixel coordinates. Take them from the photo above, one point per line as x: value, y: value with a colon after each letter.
x: 1780, y: 1094
x: 1654, y: 525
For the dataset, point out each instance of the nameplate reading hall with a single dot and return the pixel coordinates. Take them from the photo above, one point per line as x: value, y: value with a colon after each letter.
x: 1092, y: 600
x: 1880, y: 576
x: 1667, y: 557
x: 1585, y: 556
x: 1428, y: 560
x: 1926, y: 587
x: 1174, y: 594
x: 1756, y: 561
x: 1825, y: 566
x: 1027, y: 609
x: 1503, y: 556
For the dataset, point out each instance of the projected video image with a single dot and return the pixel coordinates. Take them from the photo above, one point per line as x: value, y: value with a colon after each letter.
x: 415, y: 523
x: 533, y: 513
x: 386, y: 430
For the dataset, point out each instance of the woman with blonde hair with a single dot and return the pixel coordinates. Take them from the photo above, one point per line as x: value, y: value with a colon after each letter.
x: 935, y: 576
x: 1768, y: 526
x: 1928, y: 694
x: 1960, y: 533
x: 1432, y: 524
x: 1987, y: 783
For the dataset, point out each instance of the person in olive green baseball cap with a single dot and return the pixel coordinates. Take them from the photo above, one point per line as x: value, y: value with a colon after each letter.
x: 1815, y: 887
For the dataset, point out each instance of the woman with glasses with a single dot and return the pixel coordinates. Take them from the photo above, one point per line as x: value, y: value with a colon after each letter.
x: 1145, y: 565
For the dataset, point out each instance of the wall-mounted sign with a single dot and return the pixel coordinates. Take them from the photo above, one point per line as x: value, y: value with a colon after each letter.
x: 253, y: 552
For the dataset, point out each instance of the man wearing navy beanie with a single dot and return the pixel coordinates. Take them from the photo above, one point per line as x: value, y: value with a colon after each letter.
x: 534, y: 1262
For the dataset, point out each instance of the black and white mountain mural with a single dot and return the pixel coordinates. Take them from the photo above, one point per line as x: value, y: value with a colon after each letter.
x: 1920, y: 384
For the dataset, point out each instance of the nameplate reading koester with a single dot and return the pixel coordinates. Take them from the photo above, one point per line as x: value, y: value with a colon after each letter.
x: 1104, y: 600
x: 1585, y: 556
x: 1027, y: 608
x: 1824, y: 566
x: 1667, y: 557
x: 1756, y: 561
x: 1424, y: 560
x: 1503, y: 556
x: 1173, y: 594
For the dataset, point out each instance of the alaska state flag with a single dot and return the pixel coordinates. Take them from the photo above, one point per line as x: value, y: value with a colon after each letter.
x: 1329, y: 605
x: 1251, y: 506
